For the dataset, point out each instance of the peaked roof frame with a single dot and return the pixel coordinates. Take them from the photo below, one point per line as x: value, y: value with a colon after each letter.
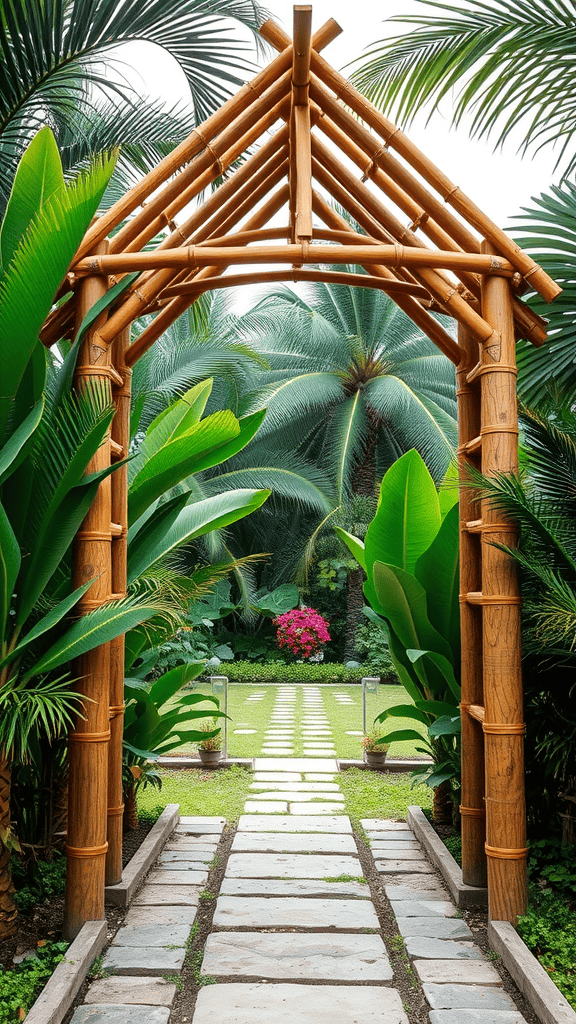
x: 449, y: 258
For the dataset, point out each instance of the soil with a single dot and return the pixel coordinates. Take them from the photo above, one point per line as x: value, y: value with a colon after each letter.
x: 44, y: 921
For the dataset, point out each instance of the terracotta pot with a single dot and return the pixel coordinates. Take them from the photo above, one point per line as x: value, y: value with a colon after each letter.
x: 375, y: 758
x: 210, y: 758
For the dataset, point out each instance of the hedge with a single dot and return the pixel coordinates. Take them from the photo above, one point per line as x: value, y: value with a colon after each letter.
x: 248, y: 672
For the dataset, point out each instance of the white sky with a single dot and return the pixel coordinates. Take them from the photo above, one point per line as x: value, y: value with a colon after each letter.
x: 500, y: 183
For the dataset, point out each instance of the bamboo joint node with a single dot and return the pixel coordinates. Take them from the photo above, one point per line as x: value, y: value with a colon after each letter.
x: 115, y: 812
x: 116, y: 709
x: 500, y: 428
x: 86, y: 851
x: 503, y: 854
x: 473, y: 812
x: 504, y: 728
x: 89, y: 737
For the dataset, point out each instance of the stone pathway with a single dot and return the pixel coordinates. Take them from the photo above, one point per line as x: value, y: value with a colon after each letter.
x: 294, y: 913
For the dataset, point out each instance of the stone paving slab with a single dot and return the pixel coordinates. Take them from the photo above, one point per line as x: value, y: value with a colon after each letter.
x: 143, y: 960
x: 384, y: 825
x: 395, y: 837
x: 152, y: 935
x: 169, y: 895
x: 422, y: 908
x: 164, y: 876
x: 434, y: 927
x: 415, y: 887
x: 277, y: 751
x: 277, y: 865
x: 399, y: 867
x: 467, y: 997
x: 183, y: 842
x: 188, y: 857
x: 277, y: 777
x: 293, y: 887
x: 294, y: 912
x: 262, y: 823
x: 266, y: 806
x: 314, y: 808
x: 120, y: 990
x: 163, y: 914
x: 400, y: 849
x: 201, y: 819
x: 318, y: 777
x: 303, y: 797
x: 442, y: 949
x: 297, y: 787
x: 296, y: 842
x: 476, y: 1017
x: 324, y: 1004
x: 198, y: 830
x: 291, y: 956
x: 295, y: 764
x: 406, y: 855
x: 110, y: 1014
x: 458, y: 972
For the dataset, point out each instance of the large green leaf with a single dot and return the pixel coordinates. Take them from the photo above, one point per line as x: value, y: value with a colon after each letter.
x: 408, y: 516
x: 47, y: 622
x: 194, y: 521
x: 10, y: 559
x: 437, y: 570
x: 431, y: 665
x: 18, y: 444
x: 355, y: 545
x: 168, y: 684
x: 91, y: 630
x: 102, y: 304
x: 178, y: 459
x: 39, y: 176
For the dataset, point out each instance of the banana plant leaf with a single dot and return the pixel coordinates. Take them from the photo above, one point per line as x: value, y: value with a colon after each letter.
x: 47, y: 622
x: 425, y: 662
x: 406, y: 610
x: 354, y: 544
x: 168, y: 684
x: 10, y: 561
x: 437, y: 570
x: 18, y: 444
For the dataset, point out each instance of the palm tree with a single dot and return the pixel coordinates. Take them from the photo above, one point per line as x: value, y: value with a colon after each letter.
x: 55, y: 63
x: 513, y: 62
x: 352, y: 385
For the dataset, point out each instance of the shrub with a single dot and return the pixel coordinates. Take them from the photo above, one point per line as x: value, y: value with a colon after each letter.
x: 548, y: 930
x: 246, y: 672
x: 47, y: 879
x: 303, y: 631
x: 20, y: 986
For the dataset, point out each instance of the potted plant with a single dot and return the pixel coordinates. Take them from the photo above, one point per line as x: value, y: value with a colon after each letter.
x: 375, y: 750
x: 210, y: 749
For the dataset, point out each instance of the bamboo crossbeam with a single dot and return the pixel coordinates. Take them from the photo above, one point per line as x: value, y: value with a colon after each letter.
x: 266, y: 234
x: 233, y: 141
x: 391, y: 287
x: 452, y: 194
x: 187, y: 150
x: 276, y: 36
x: 408, y: 304
x: 303, y: 167
x: 388, y: 255
x: 177, y: 306
x: 301, y: 54
x: 149, y: 288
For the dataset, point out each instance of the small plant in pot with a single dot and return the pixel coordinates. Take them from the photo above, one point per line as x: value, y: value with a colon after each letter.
x: 210, y: 748
x: 375, y: 750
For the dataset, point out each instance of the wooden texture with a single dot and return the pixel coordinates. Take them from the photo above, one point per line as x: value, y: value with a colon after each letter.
x: 501, y: 647
x: 473, y: 814
x: 121, y: 436
x: 88, y: 742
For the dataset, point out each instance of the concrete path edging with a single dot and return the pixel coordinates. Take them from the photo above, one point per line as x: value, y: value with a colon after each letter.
x: 545, y: 999
x: 463, y: 895
x: 121, y: 894
x: 59, y: 992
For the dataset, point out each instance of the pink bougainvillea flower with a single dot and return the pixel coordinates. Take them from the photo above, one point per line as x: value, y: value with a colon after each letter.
x: 303, y: 631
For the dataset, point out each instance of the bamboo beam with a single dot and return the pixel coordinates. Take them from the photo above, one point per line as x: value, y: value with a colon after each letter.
x: 472, y: 809
x: 388, y: 255
x: 300, y: 174
x: 303, y: 167
x: 503, y: 725
x: 333, y: 277
x: 120, y: 448
x: 177, y: 306
x: 86, y: 843
x: 268, y: 234
x: 273, y: 34
x: 187, y: 150
x: 301, y: 53
x: 419, y: 316
x: 450, y: 193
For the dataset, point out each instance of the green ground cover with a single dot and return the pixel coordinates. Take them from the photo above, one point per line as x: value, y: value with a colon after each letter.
x: 247, y: 713
x: 380, y: 795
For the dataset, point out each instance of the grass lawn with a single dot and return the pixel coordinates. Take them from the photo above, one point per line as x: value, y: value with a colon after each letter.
x: 250, y: 707
x: 223, y: 792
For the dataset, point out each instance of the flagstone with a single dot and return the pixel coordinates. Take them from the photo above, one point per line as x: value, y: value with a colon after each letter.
x: 441, y: 949
x: 384, y: 825
x: 152, y: 935
x: 304, y: 787
x: 434, y: 927
x: 294, y: 912
x: 163, y: 914
x: 129, y: 991
x: 259, y: 823
x: 467, y: 972
x: 167, y: 895
x: 290, y: 956
x: 296, y: 764
x: 278, y: 776
x: 467, y: 997
x: 119, y: 1014
x: 275, y: 865
x: 293, y: 795
x: 393, y: 867
x: 293, y: 842
x: 294, y: 887
x: 422, y: 908
x: 259, y: 1003
x: 165, y: 876
x: 266, y: 807
x: 143, y: 960
x: 314, y: 808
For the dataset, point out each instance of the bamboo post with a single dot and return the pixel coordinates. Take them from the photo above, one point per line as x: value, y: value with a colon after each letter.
x: 503, y: 715
x: 300, y: 157
x: 86, y: 843
x: 120, y: 445
x: 472, y: 809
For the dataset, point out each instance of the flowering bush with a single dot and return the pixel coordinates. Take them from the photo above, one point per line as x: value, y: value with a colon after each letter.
x: 303, y: 631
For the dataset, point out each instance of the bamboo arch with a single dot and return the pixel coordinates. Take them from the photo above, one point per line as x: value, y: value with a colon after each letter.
x: 449, y: 257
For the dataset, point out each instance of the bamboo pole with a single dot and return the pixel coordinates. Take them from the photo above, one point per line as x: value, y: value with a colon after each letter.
x: 300, y: 178
x: 388, y: 255
x: 391, y: 287
x: 503, y: 725
x: 419, y: 316
x: 86, y: 843
x: 149, y: 286
x: 450, y: 193
x: 303, y: 160
x: 472, y: 809
x: 177, y: 306
x: 119, y: 480
x: 187, y: 150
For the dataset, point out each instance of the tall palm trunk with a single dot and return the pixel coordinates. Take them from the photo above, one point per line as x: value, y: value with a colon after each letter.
x: 363, y: 483
x: 8, y: 910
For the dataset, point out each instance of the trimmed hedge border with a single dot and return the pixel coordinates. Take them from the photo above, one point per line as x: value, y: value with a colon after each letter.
x: 248, y: 672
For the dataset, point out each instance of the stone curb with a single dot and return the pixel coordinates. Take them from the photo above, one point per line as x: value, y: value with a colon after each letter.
x: 59, y: 992
x: 194, y: 762
x: 391, y: 764
x: 545, y: 999
x: 121, y: 894
x: 463, y: 895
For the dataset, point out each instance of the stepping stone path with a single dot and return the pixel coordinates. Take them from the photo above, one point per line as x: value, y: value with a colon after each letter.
x: 294, y: 912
